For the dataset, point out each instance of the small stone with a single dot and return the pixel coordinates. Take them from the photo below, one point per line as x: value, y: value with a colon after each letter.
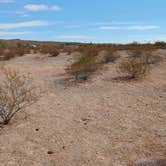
x: 50, y: 152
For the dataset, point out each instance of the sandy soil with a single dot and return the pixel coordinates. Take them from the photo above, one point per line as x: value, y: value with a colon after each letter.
x: 98, y: 123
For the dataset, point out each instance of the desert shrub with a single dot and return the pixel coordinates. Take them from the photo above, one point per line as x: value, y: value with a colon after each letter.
x: 151, y: 58
x: 7, y: 54
x: 13, y: 51
x: 3, y: 44
x: 16, y: 93
x: 135, y: 68
x: 106, y: 56
x: 83, y: 67
x: 146, y: 56
x: 160, y: 43
x: 49, y: 49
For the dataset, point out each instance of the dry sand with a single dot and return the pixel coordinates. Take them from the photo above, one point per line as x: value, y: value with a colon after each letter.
x: 98, y: 123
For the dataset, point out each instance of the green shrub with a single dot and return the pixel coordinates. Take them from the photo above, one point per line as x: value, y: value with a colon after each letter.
x: 83, y: 67
x: 160, y: 43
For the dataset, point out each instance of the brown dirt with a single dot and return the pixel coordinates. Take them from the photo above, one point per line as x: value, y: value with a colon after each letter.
x: 102, y: 122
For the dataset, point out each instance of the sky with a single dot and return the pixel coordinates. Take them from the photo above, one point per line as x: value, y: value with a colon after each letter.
x: 96, y: 21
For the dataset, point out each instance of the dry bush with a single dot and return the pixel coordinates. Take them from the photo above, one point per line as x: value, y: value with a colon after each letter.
x: 147, y: 56
x: 135, y: 68
x: 6, y: 54
x: 16, y: 93
x: 20, y: 51
x: 13, y: 51
x: 83, y: 67
x: 107, y: 56
x: 49, y: 49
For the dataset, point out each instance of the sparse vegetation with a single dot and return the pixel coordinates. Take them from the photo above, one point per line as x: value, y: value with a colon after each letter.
x: 132, y: 113
x: 16, y: 93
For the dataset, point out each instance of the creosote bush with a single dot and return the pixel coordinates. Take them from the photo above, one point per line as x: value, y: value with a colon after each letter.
x: 135, y: 68
x: 9, y: 52
x: 147, y: 56
x: 107, y: 56
x: 83, y: 67
x: 16, y: 93
x: 49, y: 49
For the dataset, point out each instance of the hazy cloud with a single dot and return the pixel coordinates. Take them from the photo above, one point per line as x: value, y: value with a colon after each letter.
x: 55, y: 8
x: 2, y: 33
x: 41, y: 7
x: 23, y: 24
x: 136, y: 27
x: 75, y: 37
x: 7, y: 1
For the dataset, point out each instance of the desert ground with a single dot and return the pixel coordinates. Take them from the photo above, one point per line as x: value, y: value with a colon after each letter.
x: 101, y: 122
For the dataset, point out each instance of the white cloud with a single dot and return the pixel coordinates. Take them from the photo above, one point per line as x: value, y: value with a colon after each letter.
x: 160, y: 37
x: 149, y: 38
x: 11, y: 12
x: 24, y: 15
x: 55, y: 8
x: 20, y: 13
x: 41, y: 7
x: 34, y: 8
x: 7, y: 1
x: 23, y: 24
x: 137, y: 27
x: 73, y: 26
x: 75, y: 37
x: 2, y: 33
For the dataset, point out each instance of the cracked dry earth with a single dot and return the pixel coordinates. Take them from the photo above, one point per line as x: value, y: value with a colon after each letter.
x: 98, y: 123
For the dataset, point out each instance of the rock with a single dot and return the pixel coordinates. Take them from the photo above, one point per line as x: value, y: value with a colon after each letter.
x: 82, y: 76
x: 50, y: 152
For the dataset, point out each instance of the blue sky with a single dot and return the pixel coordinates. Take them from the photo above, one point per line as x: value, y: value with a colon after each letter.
x: 100, y: 21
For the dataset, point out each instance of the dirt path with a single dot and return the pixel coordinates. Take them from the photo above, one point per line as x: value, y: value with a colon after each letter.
x: 98, y: 123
